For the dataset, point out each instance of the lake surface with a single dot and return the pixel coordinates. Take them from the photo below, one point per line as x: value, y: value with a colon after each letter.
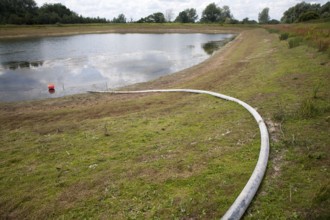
x: 76, y: 64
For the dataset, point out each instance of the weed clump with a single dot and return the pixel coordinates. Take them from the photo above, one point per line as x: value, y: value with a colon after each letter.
x: 320, y: 203
x: 279, y: 115
x: 295, y: 42
x: 316, y: 89
x: 311, y: 107
x: 323, y: 194
x: 314, y: 105
x: 106, y: 130
x: 323, y: 45
x: 308, y: 109
x: 284, y: 36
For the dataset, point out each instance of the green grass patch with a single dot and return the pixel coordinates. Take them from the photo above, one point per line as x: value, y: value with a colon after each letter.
x: 177, y: 156
x: 127, y: 166
x: 284, y: 36
x: 272, y: 31
x: 295, y: 42
x: 312, y: 107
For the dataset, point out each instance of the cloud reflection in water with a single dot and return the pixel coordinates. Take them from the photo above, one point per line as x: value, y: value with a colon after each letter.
x: 75, y: 65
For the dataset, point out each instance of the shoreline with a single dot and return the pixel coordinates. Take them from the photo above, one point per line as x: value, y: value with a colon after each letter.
x: 17, y: 32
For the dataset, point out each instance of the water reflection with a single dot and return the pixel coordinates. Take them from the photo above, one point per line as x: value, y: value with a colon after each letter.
x: 212, y: 46
x: 13, y: 65
x: 76, y: 64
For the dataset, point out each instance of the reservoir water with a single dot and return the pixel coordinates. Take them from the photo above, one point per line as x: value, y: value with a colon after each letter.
x: 76, y: 64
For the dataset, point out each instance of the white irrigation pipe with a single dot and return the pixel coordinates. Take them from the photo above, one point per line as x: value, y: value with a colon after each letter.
x: 242, y: 202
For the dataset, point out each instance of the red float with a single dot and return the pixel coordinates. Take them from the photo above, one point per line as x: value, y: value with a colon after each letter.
x: 51, y: 86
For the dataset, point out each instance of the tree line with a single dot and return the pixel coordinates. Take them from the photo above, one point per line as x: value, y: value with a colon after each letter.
x: 211, y: 14
x: 299, y: 13
x: 305, y: 11
x: 214, y: 14
x: 27, y: 12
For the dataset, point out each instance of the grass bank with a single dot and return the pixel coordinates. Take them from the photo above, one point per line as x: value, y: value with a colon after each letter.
x: 177, y: 155
x: 21, y: 31
x: 316, y: 35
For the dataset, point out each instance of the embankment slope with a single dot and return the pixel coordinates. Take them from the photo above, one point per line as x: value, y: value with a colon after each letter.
x: 185, y: 156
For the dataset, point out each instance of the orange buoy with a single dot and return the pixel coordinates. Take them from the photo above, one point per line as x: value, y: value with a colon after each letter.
x: 51, y: 86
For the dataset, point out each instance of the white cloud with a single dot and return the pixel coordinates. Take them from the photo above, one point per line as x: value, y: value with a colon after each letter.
x: 141, y: 8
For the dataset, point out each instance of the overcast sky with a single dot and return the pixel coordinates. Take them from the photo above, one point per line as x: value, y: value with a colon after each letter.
x: 136, y: 9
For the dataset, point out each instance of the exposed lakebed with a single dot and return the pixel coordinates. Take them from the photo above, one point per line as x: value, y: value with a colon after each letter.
x: 76, y: 64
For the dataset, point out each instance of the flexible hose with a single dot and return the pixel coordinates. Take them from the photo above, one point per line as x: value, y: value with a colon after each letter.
x: 244, y: 199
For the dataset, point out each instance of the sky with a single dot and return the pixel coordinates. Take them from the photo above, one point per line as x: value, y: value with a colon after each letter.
x: 136, y: 9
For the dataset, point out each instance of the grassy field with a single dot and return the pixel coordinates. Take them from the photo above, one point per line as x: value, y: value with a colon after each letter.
x: 177, y: 156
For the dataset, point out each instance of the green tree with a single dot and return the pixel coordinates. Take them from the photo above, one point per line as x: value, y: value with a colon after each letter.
x: 14, y: 11
x: 274, y: 21
x: 57, y: 8
x: 263, y: 17
x: 157, y: 17
x: 212, y: 13
x: 27, y: 12
x: 325, y: 10
x: 247, y: 21
x: 225, y: 13
x: 56, y: 13
x: 187, y: 16
x: 293, y: 14
x: 15, y: 19
x: 309, y: 15
x: 120, y: 19
x: 182, y: 17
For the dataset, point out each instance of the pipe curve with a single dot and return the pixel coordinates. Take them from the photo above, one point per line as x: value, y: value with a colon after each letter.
x: 244, y: 199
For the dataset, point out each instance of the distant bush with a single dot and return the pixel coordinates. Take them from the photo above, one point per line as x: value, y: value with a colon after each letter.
x: 273, y: 21
x: 307, y: 16
x: 284, y: 36
x: 295, y: 42
x: 273, y: 31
